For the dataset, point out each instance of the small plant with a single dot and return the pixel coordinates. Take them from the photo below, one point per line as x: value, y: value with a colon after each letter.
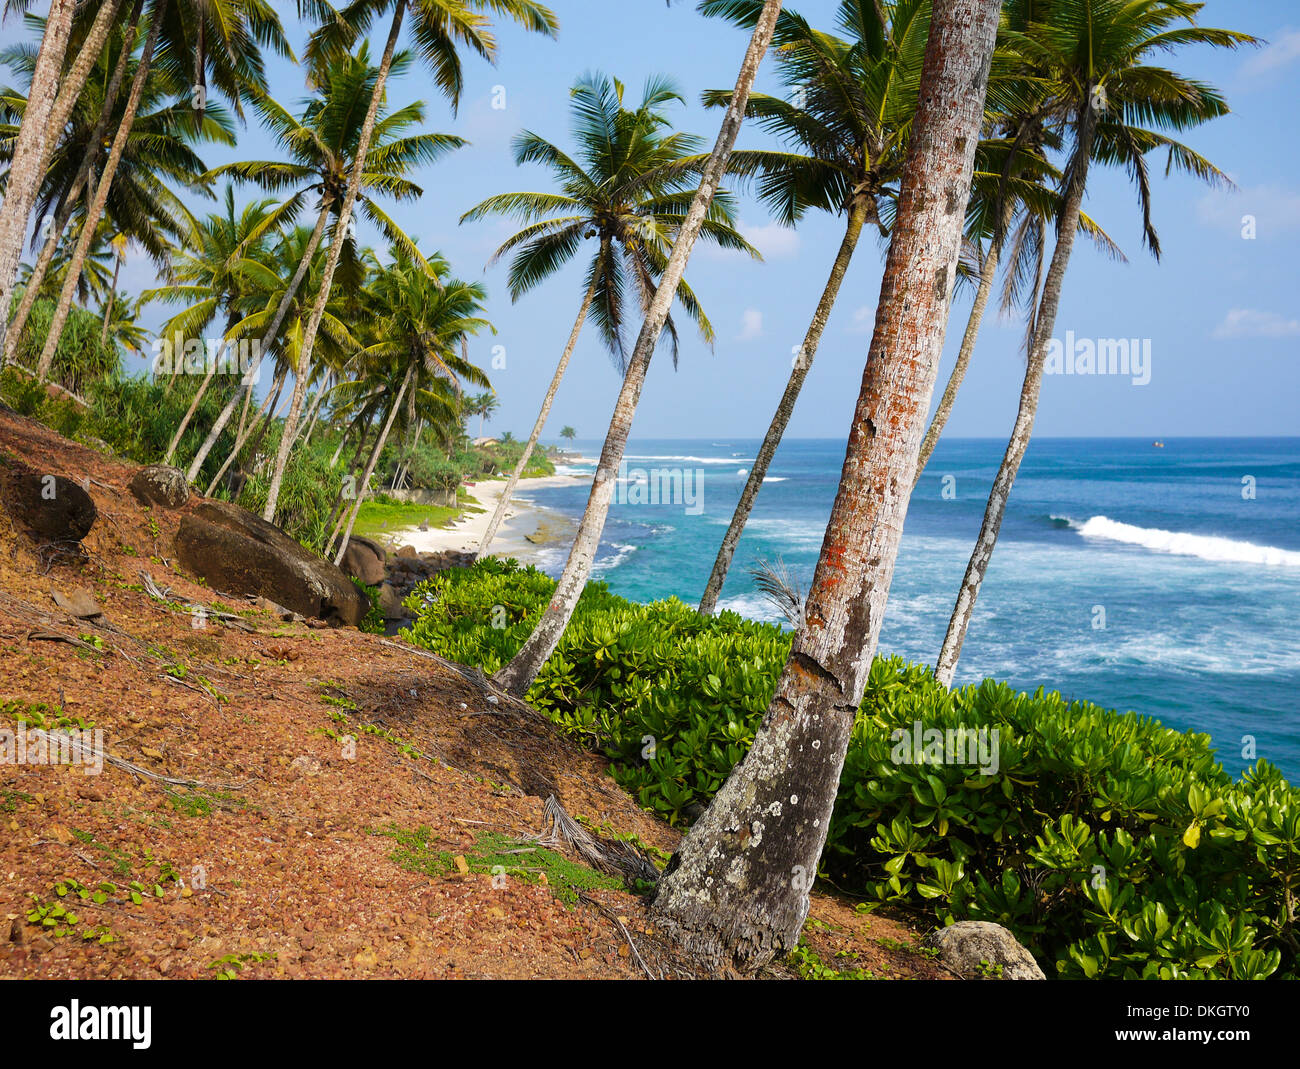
x: 229, y: 967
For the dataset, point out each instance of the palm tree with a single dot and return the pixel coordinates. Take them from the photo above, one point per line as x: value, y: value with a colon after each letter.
x: 483, y: 405
x: 320, y: 144
x: 568, y: 433
x: 31, y: 149
x: 240, y: 26
x: 847, y: 125
x: 267, y: 301
x: 517, y: 676
x: 438, y: 25
x: 124, y: 326
x: 1090, y: 58
x: 140, y: 202
x: 422, y: 321
x: 119, y: 243
x: 628, y: 191
x: 736, y: 892
x: 213, y: 276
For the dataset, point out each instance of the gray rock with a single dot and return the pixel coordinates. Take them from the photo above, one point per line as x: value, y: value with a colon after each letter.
x: 52, y: 508
x: 390, y: 603
x: 364, y: 560
x: 160, y: 484
x: 241, y: 553
x: 965, y: 945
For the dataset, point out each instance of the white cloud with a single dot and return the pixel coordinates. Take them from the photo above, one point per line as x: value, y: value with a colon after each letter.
x: 864, y: 320
x: 751, y: 325
x: 1252, y: 323
x: 1284, y: 48
x: 1274, y: 209
x: 774, y: 241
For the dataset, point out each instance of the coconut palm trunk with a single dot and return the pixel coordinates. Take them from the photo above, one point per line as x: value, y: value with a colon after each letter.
x: 268, y: 338
x: 370, y: 465
x: 1045, y: 321
x: 988, y: 273
x: 736, y: 892
x: 96, y: 208
x: 331, y: 264
x: 263, y: 414
x: 93, y: 148
x: 863, y: 208
x: 74, y: 81
x: 31, y: 149
x: 498, y: 514
x: 198, y: 394
x: 517, y: 676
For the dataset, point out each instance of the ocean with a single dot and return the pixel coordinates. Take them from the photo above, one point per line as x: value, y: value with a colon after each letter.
x: 1164, y: 580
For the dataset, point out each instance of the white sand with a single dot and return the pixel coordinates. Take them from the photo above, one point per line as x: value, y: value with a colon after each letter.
x: 466, y: 532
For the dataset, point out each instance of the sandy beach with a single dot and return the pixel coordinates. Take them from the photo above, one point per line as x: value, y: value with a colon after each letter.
x: 522, y: 531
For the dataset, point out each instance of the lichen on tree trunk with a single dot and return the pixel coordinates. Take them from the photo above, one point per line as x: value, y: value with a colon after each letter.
x: 736, y: 893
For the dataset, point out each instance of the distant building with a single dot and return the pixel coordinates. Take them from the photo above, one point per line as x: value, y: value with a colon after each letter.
x: 487, y: 441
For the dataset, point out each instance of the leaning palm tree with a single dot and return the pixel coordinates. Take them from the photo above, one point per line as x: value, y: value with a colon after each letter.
x: 319, y: 145
x: 31, y: 148
x: 1091, y: 60
x: 266, y: 303
x: 241, y: 27
x: 438, y: 26
x: 847, y: 124
x: 158, y: 155
x: 627, y: 188
x: 517, y: 676
x: 422, y: 323
x: 737, y: 891
x: 211, y: 277
x: 1012, y: 203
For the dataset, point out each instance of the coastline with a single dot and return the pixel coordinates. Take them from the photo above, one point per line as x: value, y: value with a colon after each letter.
x: 525, y: 530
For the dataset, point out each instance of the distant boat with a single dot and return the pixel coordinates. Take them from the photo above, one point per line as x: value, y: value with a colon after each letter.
x: 1158, y: 445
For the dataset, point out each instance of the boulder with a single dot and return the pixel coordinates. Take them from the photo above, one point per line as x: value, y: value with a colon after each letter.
x: 241, y: 553
x: 390, y: 603
x: 364, y: 560
x: 53, y: 508
x: 976, y: 948
x: 407, y: 551
x: 160, y: 484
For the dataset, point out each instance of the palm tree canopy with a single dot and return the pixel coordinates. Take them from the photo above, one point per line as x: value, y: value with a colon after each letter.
x: 627, y: 185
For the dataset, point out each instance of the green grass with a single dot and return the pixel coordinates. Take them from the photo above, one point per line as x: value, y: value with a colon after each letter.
x: 381, y: 516
x: 499, y: 855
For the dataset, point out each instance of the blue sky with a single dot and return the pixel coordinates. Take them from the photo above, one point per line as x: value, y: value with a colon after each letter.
x: 1221, y: 311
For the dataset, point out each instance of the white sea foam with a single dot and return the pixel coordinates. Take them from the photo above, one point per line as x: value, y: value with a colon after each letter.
x: 774, y: 478
x: 608, y: 564
x: 752, y: 607
x: 1184, y: 544
x: 687, y: 460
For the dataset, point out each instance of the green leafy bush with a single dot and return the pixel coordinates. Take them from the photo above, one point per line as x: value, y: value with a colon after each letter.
x: 1111, y: 845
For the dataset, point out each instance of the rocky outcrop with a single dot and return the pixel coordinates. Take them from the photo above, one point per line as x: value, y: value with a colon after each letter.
x: 365, y: 560
x: 52, y: 508
x: 238, y: 552
x: 160, y: 484
x: 974, y: 949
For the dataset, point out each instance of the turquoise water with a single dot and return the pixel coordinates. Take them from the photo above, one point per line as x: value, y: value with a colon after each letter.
x: 1196, y: 582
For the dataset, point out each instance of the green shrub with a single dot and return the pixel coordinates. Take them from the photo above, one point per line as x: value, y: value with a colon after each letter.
x: 1111, y: 845
x: 373, y: 622
x: 80, y: 358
